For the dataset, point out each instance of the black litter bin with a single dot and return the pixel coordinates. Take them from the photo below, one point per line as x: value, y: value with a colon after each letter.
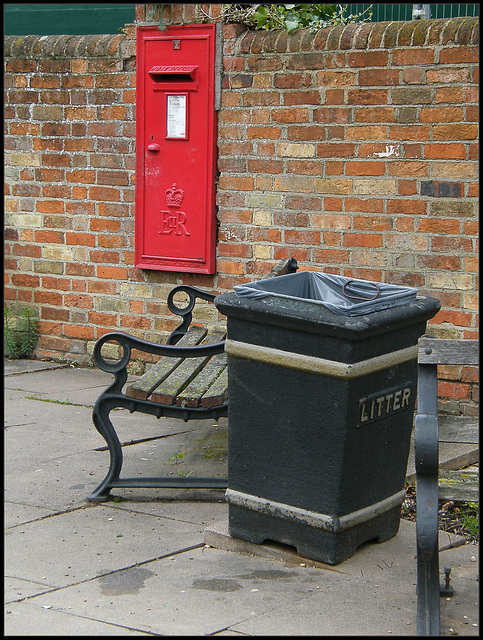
x: 322, y: 376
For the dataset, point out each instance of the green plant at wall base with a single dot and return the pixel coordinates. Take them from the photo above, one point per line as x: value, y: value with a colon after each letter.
x: 471, y: 520
x: 20, y: 333
x: 286, y: 16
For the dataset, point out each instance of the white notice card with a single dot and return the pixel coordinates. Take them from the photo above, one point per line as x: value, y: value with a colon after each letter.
x: 176, y: 117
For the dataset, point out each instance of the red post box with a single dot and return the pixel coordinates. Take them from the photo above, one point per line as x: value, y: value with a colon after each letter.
x: 175, y: 149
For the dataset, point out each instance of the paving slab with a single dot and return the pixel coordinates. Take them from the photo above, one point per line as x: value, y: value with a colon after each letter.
x: 460, y: 613
x: 201, y: 592
x: 218, y: 536
x: 78, y: 386
x: 14, y: 367
x: 104, y: 540
x: 26, y: 618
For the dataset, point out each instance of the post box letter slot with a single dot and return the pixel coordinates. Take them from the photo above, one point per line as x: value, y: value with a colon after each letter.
x: 174, y: 76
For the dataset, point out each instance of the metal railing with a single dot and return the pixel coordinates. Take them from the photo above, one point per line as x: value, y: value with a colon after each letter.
x: 388, y: 12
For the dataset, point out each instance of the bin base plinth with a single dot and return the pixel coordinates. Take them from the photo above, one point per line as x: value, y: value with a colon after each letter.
x: 310, y: 542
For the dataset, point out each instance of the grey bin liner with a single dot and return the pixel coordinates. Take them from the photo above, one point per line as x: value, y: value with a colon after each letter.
x: 345, y: 296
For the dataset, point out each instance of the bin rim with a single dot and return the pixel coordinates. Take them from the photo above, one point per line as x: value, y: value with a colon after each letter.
x: 340, y: 294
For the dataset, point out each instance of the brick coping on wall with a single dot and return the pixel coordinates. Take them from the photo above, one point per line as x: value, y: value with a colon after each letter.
x: 59, y: 46
x: 368, y: 35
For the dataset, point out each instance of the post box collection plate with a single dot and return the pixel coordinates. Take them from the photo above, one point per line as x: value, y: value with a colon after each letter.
x: 175, y: 149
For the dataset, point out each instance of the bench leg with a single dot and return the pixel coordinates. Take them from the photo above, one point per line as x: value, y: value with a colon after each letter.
x: 427, y: 460
x: 103, y: 424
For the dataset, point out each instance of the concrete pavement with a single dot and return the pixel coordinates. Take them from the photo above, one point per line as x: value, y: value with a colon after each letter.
x: 161, y: 562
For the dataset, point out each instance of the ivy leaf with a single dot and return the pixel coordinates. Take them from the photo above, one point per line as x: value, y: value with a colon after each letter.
x: 291, y: 25
x: 261, y: 16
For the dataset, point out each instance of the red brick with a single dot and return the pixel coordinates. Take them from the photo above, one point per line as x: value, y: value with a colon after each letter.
x: 232, y: 267
x: 410, y: 132
x: 78, y: 331
x: 408, y: 168
x: 311, y: 133
x: 375, y: 114
x: 80, y: 239
x: 135, y: 322
x: 112, y: 209
x: 101, y: 286
x: 48, y: 297
x: 407, y: 187
x: 111, y: 273
x: 25, y: 280
x: 407, y: 207
x: 291, y: 98
x: 331, y: 256
x: 334, y: 96
x: 368, y: 96
x: 237, y: 183
x: 78, y: 301
x: 439, y: 262
x: 362, y: 168
x: 31, y: 251
x: 105, y: 319
x: 330, y: 115
x: 302, y: 237
x: 362, y: 240
x: 235, y: 251
x: 101, y: 224
x: 44, y: 237
x: 53, y: 313
x: 372, y: 223
x: 446, y: 151
x: 436, y: 225
x: 455, y: 132
x: 441, y: 114
x: 336, y: 150
x: 331, y: 239
x: 458, y: 318
x: 367, y: 58
x: 456, y: 55
x: 374, y: 77
x: 290, y: 115
x: 107, y: 194
x: 292, y: 80
x: 414, y: 56
x: 272, y: 133
x: 451, y: 245
x: 111, y: 241
x: 50, y: 282
x: 56, y: 191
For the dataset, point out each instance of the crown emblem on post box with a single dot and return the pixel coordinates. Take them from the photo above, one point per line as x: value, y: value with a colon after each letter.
x: 174, y: 196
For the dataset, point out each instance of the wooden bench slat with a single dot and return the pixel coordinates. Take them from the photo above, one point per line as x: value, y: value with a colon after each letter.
x: 458, y: 429
x: 218, y: 392
x: 191, y: 395
x: 169, y: 388
x: 446, y: 351
x: 142, y: 388
x: 459, y: 485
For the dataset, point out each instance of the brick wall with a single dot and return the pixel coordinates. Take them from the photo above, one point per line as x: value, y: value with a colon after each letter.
x: 353, y: 149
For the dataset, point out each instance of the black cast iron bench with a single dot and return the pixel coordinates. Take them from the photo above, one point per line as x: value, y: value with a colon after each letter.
x: 431, y: 353
x: 189, y: 382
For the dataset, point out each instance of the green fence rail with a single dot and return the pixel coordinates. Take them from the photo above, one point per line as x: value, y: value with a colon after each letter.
x: 65, y: 19
x: 84, y: 19
x: 388, y: 12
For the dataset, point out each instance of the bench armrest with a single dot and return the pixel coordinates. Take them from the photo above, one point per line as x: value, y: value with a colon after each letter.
x: 128, y: 342
x: 185, y: 312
